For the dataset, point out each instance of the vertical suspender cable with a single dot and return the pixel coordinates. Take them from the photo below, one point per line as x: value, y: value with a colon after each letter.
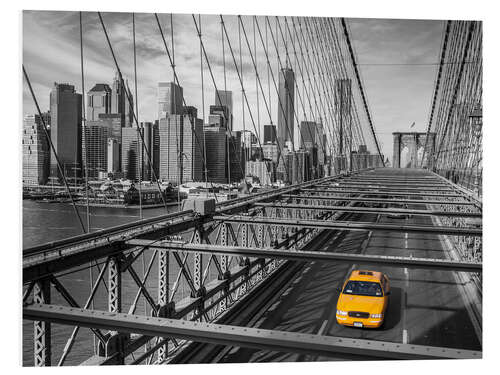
x: 176, y: 78
x: 130, y: 104
x: 256, y: 80
x: 228, y: 130
x: 242, y: 105
x: 137, y: 114
x: 177, y: 123
x: 84, y: 124
x: 203, y: 109
x: 436, y: 88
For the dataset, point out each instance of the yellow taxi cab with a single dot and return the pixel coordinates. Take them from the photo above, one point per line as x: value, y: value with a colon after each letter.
x: 363, y: 299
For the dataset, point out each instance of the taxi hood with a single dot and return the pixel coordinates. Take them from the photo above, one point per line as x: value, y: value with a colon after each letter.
x: 373, y: 305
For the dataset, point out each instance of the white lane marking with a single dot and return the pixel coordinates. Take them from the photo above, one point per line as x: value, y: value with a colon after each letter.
x: 405, y: 336
x: 322, y: 328
x: 406, y: 240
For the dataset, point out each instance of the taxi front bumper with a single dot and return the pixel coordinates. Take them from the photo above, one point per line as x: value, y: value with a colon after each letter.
x: 366, y: 322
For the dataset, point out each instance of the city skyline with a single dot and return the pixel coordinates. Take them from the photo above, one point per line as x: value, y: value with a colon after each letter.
x: 405, y: 41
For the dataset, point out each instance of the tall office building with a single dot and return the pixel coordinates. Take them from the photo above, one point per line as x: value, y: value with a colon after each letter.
x: 225, y: 98
x: 98, y: 101
x: 113, y: 160
x: 261, y: 169
x: 215, y: 142
x: 36, y: 150
x: 250, y: 145
x: 170, y: 129
x: 219, y: 116
x: 308, y: 132
x: 113, y: 121
x: 181, y: 147
x: 95, y: 150
x: 192, y: 146
x: 270, y: 152
x: 311, y: 143
x: 342, y: 101
x: 236, y: 171
x: 155, y: 134
x: 130, y: 153
x: 169, y: 99
x: 66, y: 131
x: 120, y: 102
x: 286, y: 106
x: 269, y: 133
x: 146, y: 147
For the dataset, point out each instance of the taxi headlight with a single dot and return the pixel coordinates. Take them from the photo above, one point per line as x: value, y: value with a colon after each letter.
x: 376, y: 316
x: 340, y: 312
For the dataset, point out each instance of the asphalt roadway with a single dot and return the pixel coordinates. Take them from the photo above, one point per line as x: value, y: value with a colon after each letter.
x: 426, y: 307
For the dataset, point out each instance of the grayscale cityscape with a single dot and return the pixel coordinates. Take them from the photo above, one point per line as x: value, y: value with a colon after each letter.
x: 308, y: 188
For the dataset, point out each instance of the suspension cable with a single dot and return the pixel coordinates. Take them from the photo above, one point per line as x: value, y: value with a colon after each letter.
x: 131, y: 105
x: 176, y: 78
x: 53, y: 150
x: 137, y: 113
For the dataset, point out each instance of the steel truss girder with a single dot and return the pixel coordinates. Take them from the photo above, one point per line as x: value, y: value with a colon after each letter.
x: 302, y: 255
x: 60, y: 255
x: 384, y: 188
x: 386, y: 184
x: 42, y: 329
x: 240, y: 336
x: 380, y: 192
x: 371, y: 210
x: 376, y: 200
x: 353, y: 225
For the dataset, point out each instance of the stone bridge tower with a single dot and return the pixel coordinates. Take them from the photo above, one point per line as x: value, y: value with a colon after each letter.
x: 414, y: 141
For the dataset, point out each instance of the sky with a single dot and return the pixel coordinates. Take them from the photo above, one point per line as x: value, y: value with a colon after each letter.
x: 397, y: 60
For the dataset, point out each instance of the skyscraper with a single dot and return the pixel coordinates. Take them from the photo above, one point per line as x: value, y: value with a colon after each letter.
x: 169, y: 99
x: 98, y: 101
x: 181, y: 148
x: 225, y: 98
x: 113, y: 160
x: 130, y: 153
x: 146, y: 147
x: 120, y: 102
x: 66, y: 130
x: 286, y: 106
x: 95, y: 152
x: 36, y: 151
x: 342, y: 100
x: 308, y: 132
x: 215, y: 142
x: 192, y: 146
x: 170, y: 138
x: 269, y: 133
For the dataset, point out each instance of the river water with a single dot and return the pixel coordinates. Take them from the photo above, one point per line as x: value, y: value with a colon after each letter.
x: 44, y: 222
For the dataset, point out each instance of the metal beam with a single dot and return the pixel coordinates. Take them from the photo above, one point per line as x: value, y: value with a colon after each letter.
x: 353, y: 225
x: 240, y: 336
x: 302, y: 255
x: 377, y: 200
x: 370, y: 210
x: 386, y: 184
x: 395, y: 193
x: 383, y: 188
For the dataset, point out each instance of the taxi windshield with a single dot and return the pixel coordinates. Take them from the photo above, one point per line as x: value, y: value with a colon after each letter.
x: 363, y: 288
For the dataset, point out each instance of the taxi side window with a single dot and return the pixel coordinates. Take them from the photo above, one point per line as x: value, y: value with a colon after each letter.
x: 385, y: 283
